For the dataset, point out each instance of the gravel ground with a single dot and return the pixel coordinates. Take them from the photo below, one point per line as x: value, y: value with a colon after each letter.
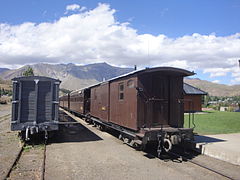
x: 29, y: 165
x: 83, y: 152
x: 9, y: 141
x: 5, y: 109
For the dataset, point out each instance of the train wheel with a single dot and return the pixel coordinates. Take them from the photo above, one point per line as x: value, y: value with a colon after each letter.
x: 102, y: 127
x: 132, y: 143
x: 167, y: 145
x: 22, y: 135
x: 120, y: 137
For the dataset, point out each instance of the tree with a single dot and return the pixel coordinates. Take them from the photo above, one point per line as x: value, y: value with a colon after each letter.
x: 28, y: 72
x: 65, y: 91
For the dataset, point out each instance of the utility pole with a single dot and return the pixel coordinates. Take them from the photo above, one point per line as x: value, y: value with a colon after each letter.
x: 239, y: 102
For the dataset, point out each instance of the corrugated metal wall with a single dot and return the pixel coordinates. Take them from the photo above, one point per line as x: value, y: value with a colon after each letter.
x: 27, y: 101
x: 45, y: 107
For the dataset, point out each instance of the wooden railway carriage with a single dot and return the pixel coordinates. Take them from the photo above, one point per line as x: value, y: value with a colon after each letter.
x: 144, y: 106
x: 79, y: 101
x: 64, y: 102
x: 35, y: 104
x: 143, y: 99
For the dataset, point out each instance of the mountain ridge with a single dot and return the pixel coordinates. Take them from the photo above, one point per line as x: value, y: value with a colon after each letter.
x: 72, y: 76
x: 79, y: 76
x: 214, y: 89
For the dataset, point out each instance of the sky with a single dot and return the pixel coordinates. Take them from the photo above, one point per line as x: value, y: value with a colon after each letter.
x: 201, y: 36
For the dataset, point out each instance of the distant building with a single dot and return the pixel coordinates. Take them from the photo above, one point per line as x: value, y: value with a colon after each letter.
x: 222, y: 108
x: 192, y: 98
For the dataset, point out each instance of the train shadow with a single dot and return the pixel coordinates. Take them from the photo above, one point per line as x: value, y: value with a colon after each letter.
x: 206, y: 139
x: 72, y: 131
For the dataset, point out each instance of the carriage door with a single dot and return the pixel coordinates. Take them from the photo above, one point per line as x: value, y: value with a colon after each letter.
x: 160, y: 100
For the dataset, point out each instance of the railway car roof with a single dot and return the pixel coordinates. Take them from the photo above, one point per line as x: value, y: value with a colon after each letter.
x: 190, y: 90
x: 170, y: 70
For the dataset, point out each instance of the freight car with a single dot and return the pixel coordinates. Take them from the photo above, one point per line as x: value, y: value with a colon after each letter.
x: 35, y: 105
x: 144, y: 106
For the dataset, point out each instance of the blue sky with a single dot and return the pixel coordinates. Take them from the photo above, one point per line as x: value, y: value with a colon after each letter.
x: 173, y: 18
x: 198, y: 35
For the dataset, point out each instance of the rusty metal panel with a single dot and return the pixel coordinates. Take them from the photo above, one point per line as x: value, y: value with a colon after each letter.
x: 123, y: 102
x: 100, y: 101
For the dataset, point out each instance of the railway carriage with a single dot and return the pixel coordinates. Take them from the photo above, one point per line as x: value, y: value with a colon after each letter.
x: 144, y: 106
x: 79, y: 101
x: 64, y: 101
x: 35, y: 105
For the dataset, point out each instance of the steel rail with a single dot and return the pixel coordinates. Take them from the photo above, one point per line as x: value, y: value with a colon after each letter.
x: 15, y: 161
x: 201, y: 165
x: 44, y: 161
x: 19, y: 154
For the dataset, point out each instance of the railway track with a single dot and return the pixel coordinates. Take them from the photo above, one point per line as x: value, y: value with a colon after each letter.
x: 199, y: 164
x: 4, y: 118
x: 210, y: 169
x: 29, y: 163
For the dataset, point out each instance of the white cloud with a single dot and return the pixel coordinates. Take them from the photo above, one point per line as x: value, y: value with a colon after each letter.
x: 96, y: 36
x: 74, y: 7
x: 216, y: 81
x: 216, y: 72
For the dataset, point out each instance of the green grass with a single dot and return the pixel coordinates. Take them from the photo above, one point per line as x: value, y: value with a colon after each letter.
x: 215, y: 122
x: 27, y: 148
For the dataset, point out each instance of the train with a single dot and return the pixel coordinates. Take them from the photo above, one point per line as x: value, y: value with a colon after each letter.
x: 35, y: 105
x: 144, y: 106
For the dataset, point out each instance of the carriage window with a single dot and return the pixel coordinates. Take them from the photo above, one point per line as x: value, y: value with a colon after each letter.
x: 130, y: 84
x: 121, y: 91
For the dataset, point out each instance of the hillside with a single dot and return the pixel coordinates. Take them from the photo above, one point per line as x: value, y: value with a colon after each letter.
x: 214, y: 89
x: 72, y: 76
x: 5, y: 84
x: 3, y: 70
x: 76, y: 77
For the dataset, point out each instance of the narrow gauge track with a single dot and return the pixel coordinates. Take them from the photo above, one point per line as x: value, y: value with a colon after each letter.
x: 20, y: 165
x: 188, y: 159
x: 15, y: 161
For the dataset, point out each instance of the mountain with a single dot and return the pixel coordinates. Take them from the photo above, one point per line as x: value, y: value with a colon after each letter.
x: 76, y: 77
x: 214, y: 89
x: 3, y: 70
x: 72, y: 76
